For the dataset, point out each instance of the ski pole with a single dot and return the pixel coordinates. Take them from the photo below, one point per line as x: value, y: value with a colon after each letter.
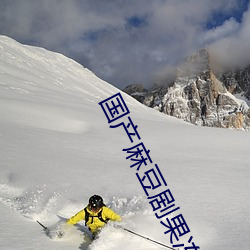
x: 45, y: 228
x: 147, y: 238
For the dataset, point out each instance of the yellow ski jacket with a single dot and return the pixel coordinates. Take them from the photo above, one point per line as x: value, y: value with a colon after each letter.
x: 94, y: 223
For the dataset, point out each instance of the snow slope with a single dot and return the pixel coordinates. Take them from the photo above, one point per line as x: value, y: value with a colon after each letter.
x: 57, y: 149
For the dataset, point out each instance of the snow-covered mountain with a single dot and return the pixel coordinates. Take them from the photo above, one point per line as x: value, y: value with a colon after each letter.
x: 57, y: 149
x: 201, y: 95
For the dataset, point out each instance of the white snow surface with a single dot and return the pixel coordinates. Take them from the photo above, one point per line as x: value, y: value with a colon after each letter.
x: 56, y: 150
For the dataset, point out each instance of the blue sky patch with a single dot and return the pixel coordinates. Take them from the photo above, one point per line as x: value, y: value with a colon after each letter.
x: 136, y: 21
x: 219, y: 17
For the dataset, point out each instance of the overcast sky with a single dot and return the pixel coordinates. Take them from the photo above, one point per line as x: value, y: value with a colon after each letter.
x: 131, y: 41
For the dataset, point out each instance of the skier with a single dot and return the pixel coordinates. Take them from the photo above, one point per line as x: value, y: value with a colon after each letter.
x: 95, y: 214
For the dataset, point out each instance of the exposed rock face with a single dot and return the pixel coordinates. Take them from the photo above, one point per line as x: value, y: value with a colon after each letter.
x: 198, y: 96
x: 137, y: 91
x: 237, y: 81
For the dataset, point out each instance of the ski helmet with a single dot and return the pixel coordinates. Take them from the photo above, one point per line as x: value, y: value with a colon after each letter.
x: 95, y: 202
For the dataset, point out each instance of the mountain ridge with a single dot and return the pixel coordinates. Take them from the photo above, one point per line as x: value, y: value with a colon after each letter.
x: 201, y: 95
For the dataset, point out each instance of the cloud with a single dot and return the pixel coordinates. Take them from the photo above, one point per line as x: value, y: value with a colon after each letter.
x: 125, y: 42
x: 233, y: 48
x: 228, y: 28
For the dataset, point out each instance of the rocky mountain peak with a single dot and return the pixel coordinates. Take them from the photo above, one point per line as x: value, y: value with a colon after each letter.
x: 196, y: 64
x: 200, y: 96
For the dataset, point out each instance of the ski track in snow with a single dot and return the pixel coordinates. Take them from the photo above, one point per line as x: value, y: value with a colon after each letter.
x: 39, y: 204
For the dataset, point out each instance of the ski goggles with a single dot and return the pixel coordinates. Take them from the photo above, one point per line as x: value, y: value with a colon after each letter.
x: 94, y: 208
